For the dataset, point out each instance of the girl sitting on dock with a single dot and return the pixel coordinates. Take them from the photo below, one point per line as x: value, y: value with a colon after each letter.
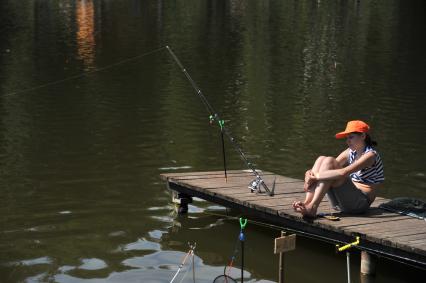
x: 350, y: 180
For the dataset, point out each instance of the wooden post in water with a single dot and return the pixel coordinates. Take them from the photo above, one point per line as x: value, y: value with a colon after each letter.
x: 368, y: 267
x: 182, y: 201
x: 368, y: 263
x: 366, y: 278
x: 281, y: 272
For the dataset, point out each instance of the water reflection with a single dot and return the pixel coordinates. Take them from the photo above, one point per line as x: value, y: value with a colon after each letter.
x: 80, y: 195
x: 85, y: 18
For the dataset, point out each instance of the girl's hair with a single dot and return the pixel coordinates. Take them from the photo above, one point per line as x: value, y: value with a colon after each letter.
x: 369, y: 141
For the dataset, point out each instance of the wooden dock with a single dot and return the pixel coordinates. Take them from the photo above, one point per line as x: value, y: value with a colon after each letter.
x: 382, y: 233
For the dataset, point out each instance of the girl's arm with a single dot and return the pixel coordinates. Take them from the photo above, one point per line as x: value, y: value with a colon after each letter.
x: 364, y: 161
x: 343, y: 158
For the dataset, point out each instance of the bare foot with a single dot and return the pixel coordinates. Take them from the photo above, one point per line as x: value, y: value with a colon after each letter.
x: 298, y: 206
x: 309, y: 210
x: 296, y: 202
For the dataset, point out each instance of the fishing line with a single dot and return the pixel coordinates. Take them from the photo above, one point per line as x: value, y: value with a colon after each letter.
x: 232, y: 259
x: 86, y: 73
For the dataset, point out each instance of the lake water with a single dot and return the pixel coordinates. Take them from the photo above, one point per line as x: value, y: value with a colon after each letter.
x: 82, y: 146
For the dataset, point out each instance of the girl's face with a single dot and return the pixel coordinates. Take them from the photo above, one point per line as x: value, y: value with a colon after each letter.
x: 355, y: 141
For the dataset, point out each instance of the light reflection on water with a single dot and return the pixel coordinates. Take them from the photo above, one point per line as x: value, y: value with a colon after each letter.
x: 86, y: 44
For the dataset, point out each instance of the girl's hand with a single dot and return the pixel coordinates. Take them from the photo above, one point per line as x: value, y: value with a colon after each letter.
x: 309, y: 180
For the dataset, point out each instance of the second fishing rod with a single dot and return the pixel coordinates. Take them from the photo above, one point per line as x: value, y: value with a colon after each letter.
x: 258, y: 182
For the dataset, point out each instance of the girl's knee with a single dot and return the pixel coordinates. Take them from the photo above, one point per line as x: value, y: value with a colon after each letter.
x: 330, y: 159
x: 321, y: 158
x: 329, y: 163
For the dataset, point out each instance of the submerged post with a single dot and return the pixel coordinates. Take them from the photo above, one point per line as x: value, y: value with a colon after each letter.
x: 368, y: 263
x: 281, y: 263
x: 182, y: 201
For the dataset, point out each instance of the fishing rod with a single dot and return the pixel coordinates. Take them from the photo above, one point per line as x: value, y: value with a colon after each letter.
x: 255, y: 185
x: 258, y: 182
x: 188, y: 254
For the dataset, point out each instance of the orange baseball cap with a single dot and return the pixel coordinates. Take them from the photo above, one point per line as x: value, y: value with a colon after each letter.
x: 353, y: 126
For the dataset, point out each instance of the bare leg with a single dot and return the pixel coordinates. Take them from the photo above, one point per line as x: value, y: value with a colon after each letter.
x: 322, y: 187
x: 315, y: 169
x: 309, y: 189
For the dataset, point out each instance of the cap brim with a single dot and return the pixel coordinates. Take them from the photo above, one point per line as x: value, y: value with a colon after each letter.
x: 342, y: 135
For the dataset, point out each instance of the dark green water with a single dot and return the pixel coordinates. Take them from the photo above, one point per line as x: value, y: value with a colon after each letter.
x: 80, y: 194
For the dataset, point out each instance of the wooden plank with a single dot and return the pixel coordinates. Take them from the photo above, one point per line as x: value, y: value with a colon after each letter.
x: 214, y: 174
x: 392, y: 232
x: 409, y: 238
x: 421, y: 245
x: 231, y: 177
x: 365, y: 224
x: 396, y: 223
x: 403, y: 233
x: 235, y: 182
x: 207, y: 173
x: 238, y: 181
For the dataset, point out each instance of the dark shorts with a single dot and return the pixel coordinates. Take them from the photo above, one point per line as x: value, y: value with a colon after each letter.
x: 348, y: 198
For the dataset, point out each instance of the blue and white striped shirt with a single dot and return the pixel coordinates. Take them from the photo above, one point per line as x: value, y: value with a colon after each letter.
x: 368, y: 175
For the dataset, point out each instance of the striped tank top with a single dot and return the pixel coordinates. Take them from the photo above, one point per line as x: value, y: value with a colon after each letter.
x: 368, y: 175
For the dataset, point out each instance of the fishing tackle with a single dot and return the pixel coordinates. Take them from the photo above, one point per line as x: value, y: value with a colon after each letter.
x: 190, y: 253
x: 225, y: 277
x: 242, y: 237
x: 258, y: 183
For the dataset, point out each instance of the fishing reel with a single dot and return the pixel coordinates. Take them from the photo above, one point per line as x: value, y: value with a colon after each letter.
x: 257, y: 183
x: 254, y: 185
